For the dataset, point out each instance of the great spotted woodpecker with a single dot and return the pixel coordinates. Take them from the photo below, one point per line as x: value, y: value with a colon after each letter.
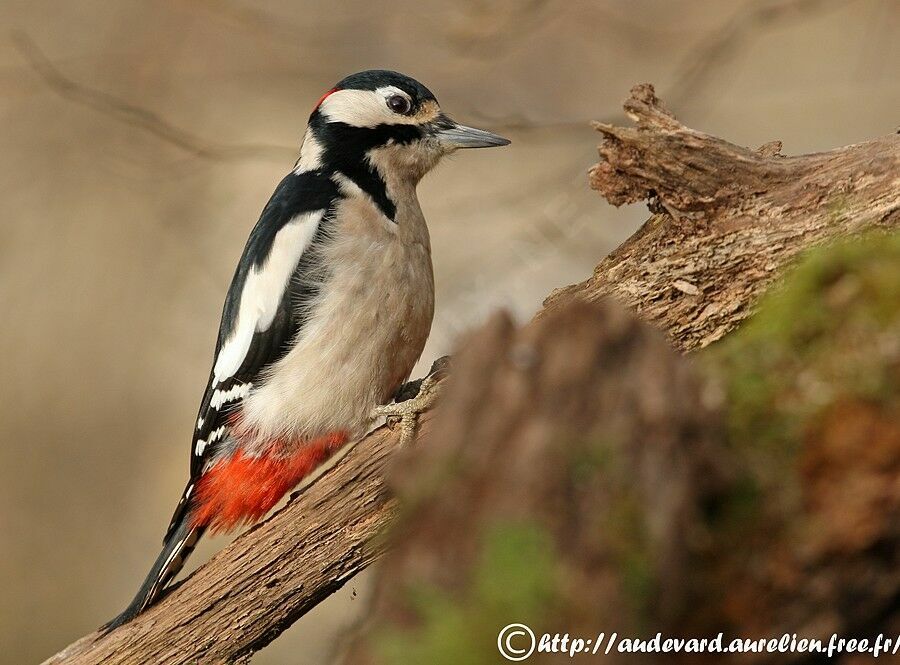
x: 327, y: 313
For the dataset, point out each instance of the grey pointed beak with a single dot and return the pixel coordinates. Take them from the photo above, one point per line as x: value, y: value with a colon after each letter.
x: 460, y: 136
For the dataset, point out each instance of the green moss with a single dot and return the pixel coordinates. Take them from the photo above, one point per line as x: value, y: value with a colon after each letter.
x: 619, y: 527
x: 588, y: 458
x: 639, y: 582
x: 514, y: 579
x: 830, y: 332
x: 740, y: 505
x: 517, y: 570
x: 631, y: 549
x: 837, y: 206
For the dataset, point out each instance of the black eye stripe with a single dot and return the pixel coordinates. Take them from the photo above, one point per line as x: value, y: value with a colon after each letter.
x: 399, y: 104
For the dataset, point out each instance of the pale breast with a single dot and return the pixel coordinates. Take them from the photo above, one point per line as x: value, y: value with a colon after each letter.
x: 365, y: 331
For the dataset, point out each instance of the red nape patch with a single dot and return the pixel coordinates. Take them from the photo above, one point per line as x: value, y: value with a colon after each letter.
x: 323, y: 97
x: 241, y: 489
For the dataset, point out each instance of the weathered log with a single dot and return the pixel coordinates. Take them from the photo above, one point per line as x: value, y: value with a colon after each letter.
x: 583, y: 479
x: 562, y: 454
x: 728, y: 219
x: 255, y: 588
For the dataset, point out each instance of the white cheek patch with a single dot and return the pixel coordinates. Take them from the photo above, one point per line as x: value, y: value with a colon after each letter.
x: 364, y: 108
x: 263, y: 291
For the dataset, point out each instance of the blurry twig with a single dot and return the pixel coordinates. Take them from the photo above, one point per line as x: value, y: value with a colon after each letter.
x: 484, y: 31
x: 714, y: 50
x: 136, y: 116
x: 721, y: 44
x: 269, y: 28
x: 883, y: 25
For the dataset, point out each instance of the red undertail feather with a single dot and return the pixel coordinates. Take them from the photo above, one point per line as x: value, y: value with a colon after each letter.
x: 241, y: 489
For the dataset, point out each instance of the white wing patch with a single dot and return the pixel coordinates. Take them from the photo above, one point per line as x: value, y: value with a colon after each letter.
x: 215, y: 436
x: 263, y: 290
x: 310, y: 154
x: 237, y: 391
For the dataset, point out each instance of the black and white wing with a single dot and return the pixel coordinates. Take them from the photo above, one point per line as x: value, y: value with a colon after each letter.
x: 263, y: 310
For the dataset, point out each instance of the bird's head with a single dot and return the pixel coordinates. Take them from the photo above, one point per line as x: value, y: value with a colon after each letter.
x: 387, y: 120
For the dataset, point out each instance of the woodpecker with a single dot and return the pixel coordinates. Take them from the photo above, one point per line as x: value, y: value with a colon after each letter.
x: 329, y: 309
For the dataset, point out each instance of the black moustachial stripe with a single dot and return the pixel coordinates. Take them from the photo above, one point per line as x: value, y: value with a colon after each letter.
x: 345, y: 148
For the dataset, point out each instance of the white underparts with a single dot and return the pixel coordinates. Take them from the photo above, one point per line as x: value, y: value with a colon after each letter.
x: 365, y: 328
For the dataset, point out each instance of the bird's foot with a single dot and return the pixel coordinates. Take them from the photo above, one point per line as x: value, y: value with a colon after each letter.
x: 413, y: 399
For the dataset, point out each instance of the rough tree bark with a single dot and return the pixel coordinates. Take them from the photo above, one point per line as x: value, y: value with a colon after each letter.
x: 587, y: 445
x: 727, y: 218
x: 727, y: 221
x: 583, y: 478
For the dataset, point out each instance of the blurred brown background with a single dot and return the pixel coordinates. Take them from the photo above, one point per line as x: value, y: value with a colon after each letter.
x: 141, y: 138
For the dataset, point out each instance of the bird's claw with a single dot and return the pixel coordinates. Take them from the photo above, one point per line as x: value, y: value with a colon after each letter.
x: 404, y: 413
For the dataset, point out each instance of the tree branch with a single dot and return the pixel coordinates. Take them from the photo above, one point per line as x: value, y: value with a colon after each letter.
x: 727, y: 221
x: 582, y: 476
x: 576, y: 427
x: 136, y: 116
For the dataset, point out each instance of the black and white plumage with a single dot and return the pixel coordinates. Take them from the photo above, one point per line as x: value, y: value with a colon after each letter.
x: 328, y: 310
x: 271, y: 292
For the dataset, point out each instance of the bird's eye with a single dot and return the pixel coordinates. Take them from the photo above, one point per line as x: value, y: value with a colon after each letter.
x: 398, y: 104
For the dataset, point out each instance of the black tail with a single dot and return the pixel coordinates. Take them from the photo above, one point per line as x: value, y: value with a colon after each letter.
x: 177, y: 547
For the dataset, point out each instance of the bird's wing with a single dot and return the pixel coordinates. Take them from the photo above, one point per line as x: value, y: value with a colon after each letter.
x: 262, y: 311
